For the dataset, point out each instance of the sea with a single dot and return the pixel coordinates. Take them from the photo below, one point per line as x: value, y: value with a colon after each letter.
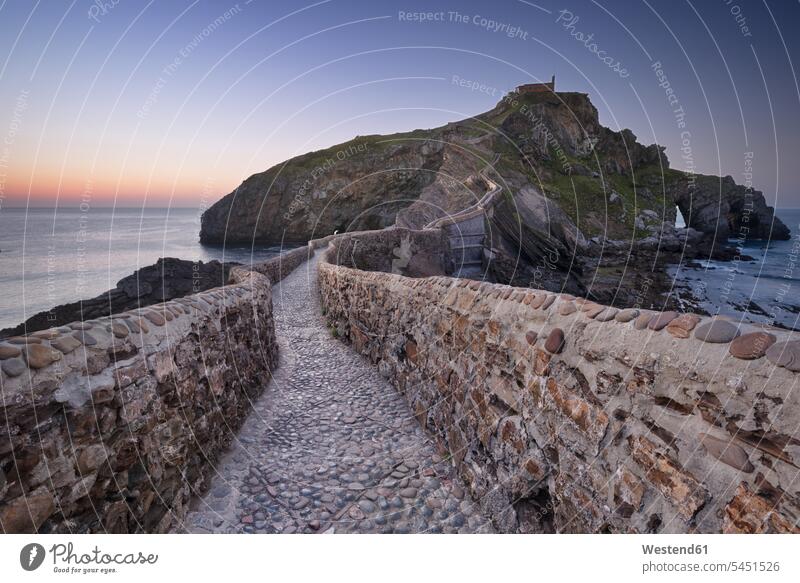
x: 53, y: 256
x: 763, y: 290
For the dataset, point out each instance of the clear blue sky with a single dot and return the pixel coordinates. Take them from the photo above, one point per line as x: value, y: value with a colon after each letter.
x: 175, y: 102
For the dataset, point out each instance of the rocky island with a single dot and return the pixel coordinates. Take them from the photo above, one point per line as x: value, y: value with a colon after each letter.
x: 583, y: 208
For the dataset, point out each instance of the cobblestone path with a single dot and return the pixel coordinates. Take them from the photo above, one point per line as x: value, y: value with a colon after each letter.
x: 330, y: 445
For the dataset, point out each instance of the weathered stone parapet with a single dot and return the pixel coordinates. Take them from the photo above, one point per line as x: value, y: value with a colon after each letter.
x: 112, y: 424
x: 400, y: 251
x: 279, y: 267
x: 564, y: 415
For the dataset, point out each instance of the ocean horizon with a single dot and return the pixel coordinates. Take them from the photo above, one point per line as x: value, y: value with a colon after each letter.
x: 52, y: 256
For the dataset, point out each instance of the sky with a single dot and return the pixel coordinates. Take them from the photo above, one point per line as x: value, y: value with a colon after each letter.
x: 173, y: 103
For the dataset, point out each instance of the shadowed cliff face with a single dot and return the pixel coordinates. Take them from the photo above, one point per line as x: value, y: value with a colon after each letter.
x: 360, y: 185
x: 718, y: 205
x: 581, y: 204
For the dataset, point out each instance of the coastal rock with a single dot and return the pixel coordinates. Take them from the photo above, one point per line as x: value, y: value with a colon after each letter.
x: 583, y: 246
x: 719, y: 206
x: 266, y: 207
x: 530, y: 337
x: 167, y: 279
x: 751, y: 346
x: 717, y: 331
x: 785, y: 354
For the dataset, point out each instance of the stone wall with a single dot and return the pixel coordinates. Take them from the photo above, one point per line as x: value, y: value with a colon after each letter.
x: 400, y: 251
x: 564, y: 415
x: 112, y: 424
x: 279, y: 267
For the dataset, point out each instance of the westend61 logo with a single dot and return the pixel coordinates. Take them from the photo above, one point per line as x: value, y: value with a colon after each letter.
x: 66, y: 560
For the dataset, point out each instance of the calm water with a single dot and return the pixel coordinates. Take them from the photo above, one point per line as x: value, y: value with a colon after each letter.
x: 54, y: 256
x: 764, y: 290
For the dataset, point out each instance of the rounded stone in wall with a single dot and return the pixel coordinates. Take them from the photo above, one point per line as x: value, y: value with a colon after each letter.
x: 14, y: 367
x: 683, y: 325
x: 66, y: 344
x: 660, y: 321
x: 641, y: 321
x: 39, y: 356
x: 752, y: 346
x: 155, y: 318
x: 593, y: 310
x: 84, y: 337
x: 555, y: 341
x: 566, y: 308
x: 24, y: 340
x: 626, y: 315
x: 785, y: 354
x: 606, y: 315
x: 717, y: 331
x: 7, y: 351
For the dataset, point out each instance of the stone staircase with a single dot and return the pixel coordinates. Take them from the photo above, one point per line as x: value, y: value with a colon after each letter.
x: 466, y: 231
x: 466, y: 245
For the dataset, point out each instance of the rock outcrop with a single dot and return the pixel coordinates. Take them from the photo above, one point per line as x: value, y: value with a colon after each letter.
x: 583, y: 208
x: 167, y: 279
x: 718, y: 206
x: 360, y: 185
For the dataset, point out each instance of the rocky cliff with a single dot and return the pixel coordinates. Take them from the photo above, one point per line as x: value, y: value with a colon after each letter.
x: 360, y: 185
x: 584, y: 208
